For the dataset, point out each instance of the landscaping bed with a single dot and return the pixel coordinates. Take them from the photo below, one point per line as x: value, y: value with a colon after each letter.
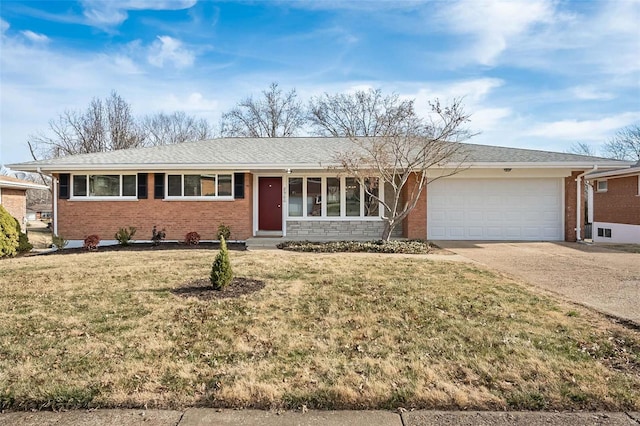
x: 337, y: 331
x: 379, y: 246
x: 153, y: 247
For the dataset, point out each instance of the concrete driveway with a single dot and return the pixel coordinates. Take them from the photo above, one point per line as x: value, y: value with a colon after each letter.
x: 604, y: 279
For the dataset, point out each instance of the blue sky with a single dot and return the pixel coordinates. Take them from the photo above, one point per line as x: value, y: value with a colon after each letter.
x: 538, y: 74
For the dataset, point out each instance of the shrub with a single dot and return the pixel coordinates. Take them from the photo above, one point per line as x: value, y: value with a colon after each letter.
x: 24, y: 245
x: 157, y: 236
x: 221, y: 273
x: 9, y: 236
x: 91, y: 242
x: 407, y: 247
x: 59, y: 241
x: 192, y: 238
x: 223, y: 232
x: 124, y: 235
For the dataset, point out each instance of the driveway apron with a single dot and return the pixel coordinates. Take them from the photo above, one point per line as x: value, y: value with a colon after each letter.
x: 604, y: 279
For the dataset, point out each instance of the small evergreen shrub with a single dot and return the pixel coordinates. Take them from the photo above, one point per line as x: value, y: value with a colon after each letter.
x: 9, y: 236
x: 59, y: 241
x: 223, y: 232
x: 192, y: 238
x: 157, y: 236
x: 124, y: 235
x: 221, y: 273
x: 24, y: 246
x: 91, y: 243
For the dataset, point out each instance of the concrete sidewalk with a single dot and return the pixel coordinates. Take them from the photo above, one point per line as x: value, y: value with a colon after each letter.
x: 212, y: 416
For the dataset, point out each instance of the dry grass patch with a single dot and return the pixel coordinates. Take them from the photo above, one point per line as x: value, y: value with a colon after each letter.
x: 327, y: 331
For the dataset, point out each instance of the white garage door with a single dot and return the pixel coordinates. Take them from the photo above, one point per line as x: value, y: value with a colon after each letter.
x: 495, y: 209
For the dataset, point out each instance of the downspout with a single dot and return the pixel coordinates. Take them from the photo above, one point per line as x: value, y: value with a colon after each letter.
x: 579, y: 191
x: 55, y: 205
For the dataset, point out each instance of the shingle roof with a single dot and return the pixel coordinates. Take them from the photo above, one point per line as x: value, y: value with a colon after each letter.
x: 11, y: 182
x: 262, y: 153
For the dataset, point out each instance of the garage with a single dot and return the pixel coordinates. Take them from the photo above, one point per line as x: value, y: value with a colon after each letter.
x: 495, y: 209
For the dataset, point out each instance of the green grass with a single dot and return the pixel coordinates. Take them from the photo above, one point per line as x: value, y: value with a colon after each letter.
x: 327, y: 331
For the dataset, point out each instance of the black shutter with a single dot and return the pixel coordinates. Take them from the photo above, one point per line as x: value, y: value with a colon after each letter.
x: 238, y: 185
x: 158, y: 185
x: 142, y: 186
x: 64, y: 185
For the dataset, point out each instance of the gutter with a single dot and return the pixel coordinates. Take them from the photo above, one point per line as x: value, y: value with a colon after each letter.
x: 579, y: 200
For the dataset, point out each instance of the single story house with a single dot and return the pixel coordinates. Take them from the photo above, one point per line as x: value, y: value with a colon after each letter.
x: 13, y: 196
x: 41, y: 211
x: 294, y: 188
x: 615, y: 204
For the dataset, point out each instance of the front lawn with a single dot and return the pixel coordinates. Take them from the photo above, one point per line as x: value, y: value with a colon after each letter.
x: 108, y: 329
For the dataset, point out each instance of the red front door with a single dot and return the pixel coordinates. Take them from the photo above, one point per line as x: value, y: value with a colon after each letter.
x: 270, y: 204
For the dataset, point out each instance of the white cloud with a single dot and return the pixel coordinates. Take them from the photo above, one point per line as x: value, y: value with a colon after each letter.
x: 4, y: 26
x: 494, y: 24
x: 194, y: 103
x: 584, y: 130
x: 169, y: 50
x: 102, y: 13
x: 590, y: 93
x: 35, y: 37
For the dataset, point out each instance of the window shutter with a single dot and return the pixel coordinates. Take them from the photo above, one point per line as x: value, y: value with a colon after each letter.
x: 64, y: 186
x: 158, y: 185
x: 238, y: 185
x: 142, y: 186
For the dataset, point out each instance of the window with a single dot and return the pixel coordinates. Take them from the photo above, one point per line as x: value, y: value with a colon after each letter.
x: 199, y: 185
x: 97, y: 186
x: 333, y: 197
x: 602, y: 185
x: 604, y: 232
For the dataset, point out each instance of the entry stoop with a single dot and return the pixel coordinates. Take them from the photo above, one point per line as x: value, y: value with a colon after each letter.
x: 262, y: 243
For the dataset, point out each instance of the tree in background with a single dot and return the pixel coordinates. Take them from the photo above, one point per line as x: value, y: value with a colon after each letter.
x: 582, y: 148
x: 177, y: 127
x: 625, y: 145
x: 108, y: 125
x: 273, y: 115
x: 363, y: 113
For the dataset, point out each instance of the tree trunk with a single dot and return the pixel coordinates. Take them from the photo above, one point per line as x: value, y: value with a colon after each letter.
x: 389, y: 226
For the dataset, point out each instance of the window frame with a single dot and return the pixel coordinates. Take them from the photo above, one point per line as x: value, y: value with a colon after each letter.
x: 323, y: 199
x: 183, y: 197
x: 89, y: 197
x: 606, y: 185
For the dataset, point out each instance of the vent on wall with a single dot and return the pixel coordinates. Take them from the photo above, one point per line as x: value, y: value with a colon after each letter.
x: 604, y: 232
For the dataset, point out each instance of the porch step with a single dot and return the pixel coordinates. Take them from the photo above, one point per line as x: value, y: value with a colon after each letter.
x: 262, y: 243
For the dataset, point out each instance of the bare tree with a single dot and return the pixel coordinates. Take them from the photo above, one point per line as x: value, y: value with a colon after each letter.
x: 401, y: 151
x: 625, y: 145
x: 363, y: 113
x: 104, y: 126
x: 274, y: 115
x: 178, y: 127
x: 582, y: 148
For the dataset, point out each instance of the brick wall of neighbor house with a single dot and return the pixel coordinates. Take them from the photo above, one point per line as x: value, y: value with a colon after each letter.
x: 15, y: 202
x: 338, y: 229
x: 78, y: 219
x: 620, y: 203
x: 414, y: 226
x: 570, y: 200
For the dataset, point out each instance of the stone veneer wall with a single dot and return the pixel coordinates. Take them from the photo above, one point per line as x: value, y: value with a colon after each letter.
x: 338, y: 229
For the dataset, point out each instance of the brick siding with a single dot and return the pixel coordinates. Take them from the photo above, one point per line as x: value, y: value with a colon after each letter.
x: 619, y: 204
x: 414, y: 226
x: 570, y: 200
x: 15, y: 202
x: 78, y: 219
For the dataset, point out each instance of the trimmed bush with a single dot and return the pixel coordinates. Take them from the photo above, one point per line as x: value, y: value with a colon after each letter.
x: 223, y: 232
x: 91, y: 243
x: 192, y: 238
x: 157, y: 236
x: 59, y: 241
x: 24, y: 246
x: 406, y: 247
x: 124, y: 235
x: 221, y: 273
x: 9, y: 236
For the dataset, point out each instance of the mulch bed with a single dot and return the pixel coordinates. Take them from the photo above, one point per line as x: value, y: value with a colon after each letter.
x: 202, y: 289
x: 149, y: 246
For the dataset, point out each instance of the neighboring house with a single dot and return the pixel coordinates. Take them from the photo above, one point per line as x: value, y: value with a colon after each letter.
x: 42, y: 211
x: 13, y: 196
x: 616, y: 205
x: 292, y: 187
